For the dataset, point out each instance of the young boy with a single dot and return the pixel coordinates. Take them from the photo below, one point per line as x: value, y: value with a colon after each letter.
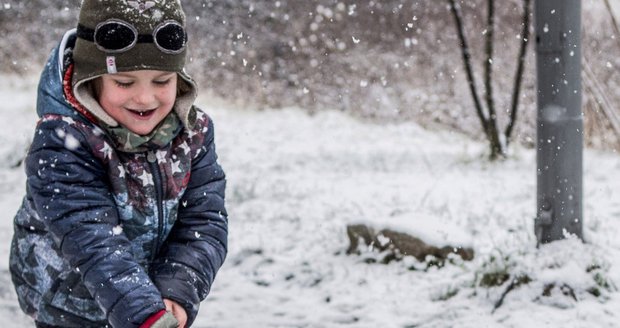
x: 123, y: 223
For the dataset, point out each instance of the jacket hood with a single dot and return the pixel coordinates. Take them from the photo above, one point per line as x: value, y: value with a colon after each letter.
x: 50, y: 94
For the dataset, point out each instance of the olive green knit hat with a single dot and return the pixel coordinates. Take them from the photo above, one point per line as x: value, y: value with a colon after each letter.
x: 124, y: 35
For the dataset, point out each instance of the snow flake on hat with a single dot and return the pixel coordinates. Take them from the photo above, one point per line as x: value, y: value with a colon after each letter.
x: 141, y: 6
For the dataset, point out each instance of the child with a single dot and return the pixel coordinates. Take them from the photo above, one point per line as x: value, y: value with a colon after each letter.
x: 123, y: 223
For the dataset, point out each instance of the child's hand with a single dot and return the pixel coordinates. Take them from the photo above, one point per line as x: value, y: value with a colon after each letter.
x: 177, y: 310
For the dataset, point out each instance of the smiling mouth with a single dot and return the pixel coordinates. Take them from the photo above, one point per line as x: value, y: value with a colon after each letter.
x: 142, y: 113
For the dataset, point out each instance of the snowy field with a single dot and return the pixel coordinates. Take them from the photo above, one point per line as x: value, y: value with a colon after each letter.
x: 296, y: 181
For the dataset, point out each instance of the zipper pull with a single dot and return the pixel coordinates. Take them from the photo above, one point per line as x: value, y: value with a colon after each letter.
x: 151, y: 157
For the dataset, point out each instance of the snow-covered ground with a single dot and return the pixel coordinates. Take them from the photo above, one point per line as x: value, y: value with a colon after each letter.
x: 296, y: 181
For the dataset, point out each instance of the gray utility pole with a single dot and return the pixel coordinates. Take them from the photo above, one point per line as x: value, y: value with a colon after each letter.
x: 560, y: 121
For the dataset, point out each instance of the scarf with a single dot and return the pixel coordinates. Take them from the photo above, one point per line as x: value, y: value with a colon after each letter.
x: 130, y: 142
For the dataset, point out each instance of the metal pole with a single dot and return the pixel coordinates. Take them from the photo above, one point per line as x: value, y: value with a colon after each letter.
x: 560, y: 120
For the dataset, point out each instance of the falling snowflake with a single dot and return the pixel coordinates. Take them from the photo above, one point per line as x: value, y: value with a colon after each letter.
x: 71, y: 142
x: 117, y: 230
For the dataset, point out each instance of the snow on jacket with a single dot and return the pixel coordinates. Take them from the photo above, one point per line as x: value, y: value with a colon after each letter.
x: 102, y: 235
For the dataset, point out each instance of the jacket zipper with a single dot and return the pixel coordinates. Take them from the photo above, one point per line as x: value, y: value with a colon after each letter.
x: 157, y: 181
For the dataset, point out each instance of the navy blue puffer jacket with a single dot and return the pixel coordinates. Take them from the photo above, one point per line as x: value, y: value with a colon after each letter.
x: 102, y: 235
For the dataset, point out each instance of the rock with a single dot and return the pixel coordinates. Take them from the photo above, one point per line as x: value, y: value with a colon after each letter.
x: 400, y: 244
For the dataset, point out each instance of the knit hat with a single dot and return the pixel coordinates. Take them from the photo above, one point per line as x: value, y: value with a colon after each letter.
x: 125, y: 35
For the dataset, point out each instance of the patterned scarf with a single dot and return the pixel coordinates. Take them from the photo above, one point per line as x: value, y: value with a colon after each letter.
x: 130, y: 142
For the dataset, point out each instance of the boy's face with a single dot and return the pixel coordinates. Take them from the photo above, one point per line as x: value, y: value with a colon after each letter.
x: 138, y: 100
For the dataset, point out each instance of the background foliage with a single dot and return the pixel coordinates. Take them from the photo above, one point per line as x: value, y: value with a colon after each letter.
x: 381, y: 60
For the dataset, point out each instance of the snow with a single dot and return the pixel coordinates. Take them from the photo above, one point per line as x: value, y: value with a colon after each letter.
x: 295, y: 181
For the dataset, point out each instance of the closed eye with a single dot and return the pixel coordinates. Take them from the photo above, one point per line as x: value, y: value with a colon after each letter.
x: 162, y: 82
x: 122, y: 84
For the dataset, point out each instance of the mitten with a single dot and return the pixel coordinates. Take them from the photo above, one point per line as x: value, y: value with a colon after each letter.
x: 161, y: 319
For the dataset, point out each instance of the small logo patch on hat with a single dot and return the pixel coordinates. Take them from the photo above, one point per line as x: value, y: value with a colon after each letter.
x: 110, y: 62
x: 142, y: 6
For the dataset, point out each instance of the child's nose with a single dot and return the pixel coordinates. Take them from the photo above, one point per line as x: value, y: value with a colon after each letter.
x: 145, y: 96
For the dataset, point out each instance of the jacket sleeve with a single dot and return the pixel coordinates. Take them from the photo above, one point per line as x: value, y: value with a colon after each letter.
x: 68, y: 185
x: 196, y: 247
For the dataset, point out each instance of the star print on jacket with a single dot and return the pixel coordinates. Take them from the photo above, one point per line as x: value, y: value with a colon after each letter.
x: 146, y: 178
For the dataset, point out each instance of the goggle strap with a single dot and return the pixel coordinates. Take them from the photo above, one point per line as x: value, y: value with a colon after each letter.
x: 85, y: 33
x: 145, y: 38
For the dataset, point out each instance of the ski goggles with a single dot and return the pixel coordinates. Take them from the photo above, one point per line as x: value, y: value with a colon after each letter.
x: 116, y: 36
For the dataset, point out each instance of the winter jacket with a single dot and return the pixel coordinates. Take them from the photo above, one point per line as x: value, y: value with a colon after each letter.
x: 103, y: 235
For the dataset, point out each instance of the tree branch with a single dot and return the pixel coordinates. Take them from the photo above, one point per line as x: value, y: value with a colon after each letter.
x: 525, y: 36
x: 596, y: 90
x: 613, y: 20
x: 456, y: 12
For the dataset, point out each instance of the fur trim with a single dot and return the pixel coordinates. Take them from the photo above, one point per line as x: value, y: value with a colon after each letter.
x: 84, y: 96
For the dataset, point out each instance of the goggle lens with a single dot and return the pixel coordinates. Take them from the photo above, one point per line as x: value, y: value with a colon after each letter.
x: 114, y: 36
x: 170, y: 37
x: 117, y: 36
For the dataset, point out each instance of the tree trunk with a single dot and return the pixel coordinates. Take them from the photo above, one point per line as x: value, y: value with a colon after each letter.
x: 488, y: 119
x: 496, y: 146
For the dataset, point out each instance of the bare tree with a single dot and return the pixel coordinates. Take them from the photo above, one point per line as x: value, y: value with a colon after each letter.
x: 595, y: 90
x: 488, y: 117
x: 614, y: 22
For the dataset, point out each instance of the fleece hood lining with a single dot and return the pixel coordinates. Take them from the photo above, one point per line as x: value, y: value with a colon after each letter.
x: 185, y: 99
